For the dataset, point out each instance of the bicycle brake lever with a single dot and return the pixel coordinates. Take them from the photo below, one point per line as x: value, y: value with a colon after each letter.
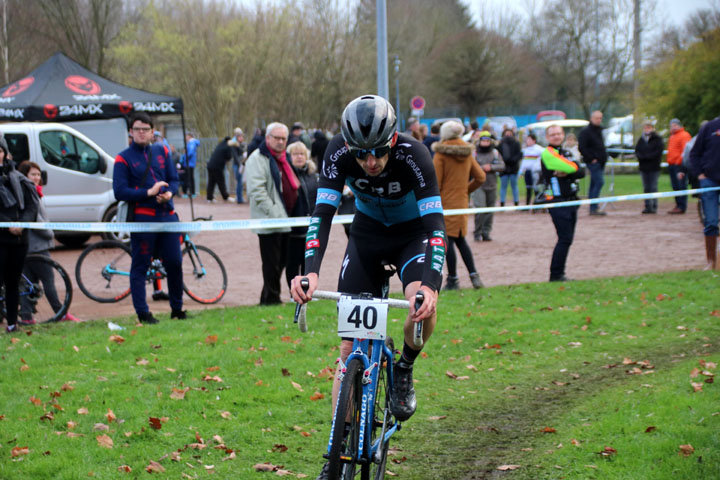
x: 418, y: 337
x: 301, y: 309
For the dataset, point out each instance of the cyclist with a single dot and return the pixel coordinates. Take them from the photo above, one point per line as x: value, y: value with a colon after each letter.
x: 399, y: 220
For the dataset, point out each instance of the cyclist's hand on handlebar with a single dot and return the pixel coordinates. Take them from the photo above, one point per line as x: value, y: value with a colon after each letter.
x: 155, y: 189
x: 428, y: 307
x: 298, y: 293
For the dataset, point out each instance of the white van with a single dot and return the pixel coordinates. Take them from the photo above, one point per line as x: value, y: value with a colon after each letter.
x: 79, y: 173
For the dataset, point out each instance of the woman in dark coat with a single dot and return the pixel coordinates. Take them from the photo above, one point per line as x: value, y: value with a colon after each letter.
x: 18, y: 203
x: 306, y: 172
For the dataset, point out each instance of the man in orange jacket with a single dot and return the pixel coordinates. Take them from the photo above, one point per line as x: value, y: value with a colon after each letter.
x: 676, y: 144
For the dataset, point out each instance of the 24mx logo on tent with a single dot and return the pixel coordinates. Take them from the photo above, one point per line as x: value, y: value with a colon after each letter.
x: 18, y: 87
x: 83, y: 85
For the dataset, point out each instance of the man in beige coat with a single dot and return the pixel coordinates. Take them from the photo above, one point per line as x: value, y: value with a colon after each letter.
x: 272, y: 188
x: 458, y: 176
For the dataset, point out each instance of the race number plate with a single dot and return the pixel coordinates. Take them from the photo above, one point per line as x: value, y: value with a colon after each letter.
x: 360, y: 318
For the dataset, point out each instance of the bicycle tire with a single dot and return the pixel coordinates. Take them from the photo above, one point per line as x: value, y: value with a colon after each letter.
x: 204, y: 275
x: 94, y: 271
x: 35, y: 302
x: 382, y: 416
x: 344, y: 451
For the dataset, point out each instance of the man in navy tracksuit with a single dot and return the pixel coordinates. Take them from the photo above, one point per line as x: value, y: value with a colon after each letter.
x: 152, y: 203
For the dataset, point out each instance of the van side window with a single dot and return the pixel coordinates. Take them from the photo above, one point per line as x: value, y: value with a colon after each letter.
x: 18, y: 146
x: 64, y: 150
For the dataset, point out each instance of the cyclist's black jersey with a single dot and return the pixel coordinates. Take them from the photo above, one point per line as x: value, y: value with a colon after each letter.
x: 404, y: 200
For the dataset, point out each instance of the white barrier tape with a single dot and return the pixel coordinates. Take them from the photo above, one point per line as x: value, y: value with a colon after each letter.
x: 269, y: 223
x: 631, y: 164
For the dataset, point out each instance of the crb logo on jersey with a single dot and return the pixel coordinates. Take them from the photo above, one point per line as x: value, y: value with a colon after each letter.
x: 430, y: 205
x: 390, y: 189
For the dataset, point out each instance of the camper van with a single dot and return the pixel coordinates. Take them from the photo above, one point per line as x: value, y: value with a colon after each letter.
x: 79, y: 173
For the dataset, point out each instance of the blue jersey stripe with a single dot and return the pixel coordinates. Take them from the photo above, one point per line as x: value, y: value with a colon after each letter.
x: 430, y: 205
x: 329, y: 196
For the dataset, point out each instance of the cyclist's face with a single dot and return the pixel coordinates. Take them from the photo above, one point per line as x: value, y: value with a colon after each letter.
x: 373, y: 166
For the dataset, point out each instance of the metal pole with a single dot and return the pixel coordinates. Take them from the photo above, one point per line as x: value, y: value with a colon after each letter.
x: 637, y: 60
x: 397, y: 63
x: 382, y: 59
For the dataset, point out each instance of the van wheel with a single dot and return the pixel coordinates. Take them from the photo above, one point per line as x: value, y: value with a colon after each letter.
x: 73, y: 241
x: 111, y: 217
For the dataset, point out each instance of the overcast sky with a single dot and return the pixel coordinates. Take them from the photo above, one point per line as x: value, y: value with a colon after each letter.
x: 671, y: 11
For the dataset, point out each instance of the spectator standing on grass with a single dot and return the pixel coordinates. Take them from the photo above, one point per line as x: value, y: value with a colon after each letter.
x: 458, y: 175
x: 705, y: 165
x: 491, y: 162
x: 307, y: 176
x: 648, y: 151
x: 679, y: 137
x: 239, y: 157
x: 512, y: 155
x: 223, y: 153
x: 145, y: 177
x: 18, y: 203
x: 39, y: 243
x: 560, y: 172
x: 272, y: 188
x: 592, y: 148
x: 530, y: 167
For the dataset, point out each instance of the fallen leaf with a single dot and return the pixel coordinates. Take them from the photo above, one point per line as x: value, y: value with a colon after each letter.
x: 650, y: 429
x: 226, y: 414
x: 686, y: 450
x: 505, y: 468
x: 76, y: 348
x: 154, y: 467
x: 24, y: 368
x: 607, y: 451
x: 179, y: 393
x: 437, y: 417
x: 100, y: 427
x: 694, y: 372
x: 17, y: 451
x: 82, y: 411
x: 35, y: 401
x: 548, y: 430
x: 208, y: 378
x: 451, y: 374
x: 316, y: 396
x: 48, y: 416
x: 67, y: 388
x: 575, y: 442
x: 116, y: 338
x: 213, y: 369
x: 211, y: 339
x: 285, y: 372
x: 71, y: 425
x: 265, y: 467
x: 142, y: 361
x: 697, y: 387
x: 279, y: 447
x: 155, y: 423
x: 110, y: 416
x: 124, y: 468
x: 297, y: 386
x: 104, y: 441
x: 232, y: 457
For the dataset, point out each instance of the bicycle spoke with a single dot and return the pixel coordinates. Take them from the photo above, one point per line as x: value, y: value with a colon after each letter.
x: 204, y: 276
x: 103, y: 271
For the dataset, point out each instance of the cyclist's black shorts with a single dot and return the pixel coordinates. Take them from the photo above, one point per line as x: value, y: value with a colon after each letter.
x: 371, y: 245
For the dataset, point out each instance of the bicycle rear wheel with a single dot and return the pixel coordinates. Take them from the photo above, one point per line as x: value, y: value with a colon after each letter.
x: 204, y: 275
x: 45, y: 290
x: 382, y: 421
x: 103, y: 271
x: 345, y: 448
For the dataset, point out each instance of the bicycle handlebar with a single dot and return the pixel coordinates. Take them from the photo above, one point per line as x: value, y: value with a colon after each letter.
x: 301, y: 314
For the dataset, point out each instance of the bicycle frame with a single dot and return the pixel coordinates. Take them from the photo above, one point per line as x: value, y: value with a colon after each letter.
x: 372, y: 364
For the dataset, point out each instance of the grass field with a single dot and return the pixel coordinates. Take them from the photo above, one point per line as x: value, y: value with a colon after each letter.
x: 590, y: 379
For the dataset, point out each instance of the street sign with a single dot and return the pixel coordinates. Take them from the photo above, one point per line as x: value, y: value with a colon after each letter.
x: 417, y: 103
x: 417, y: 113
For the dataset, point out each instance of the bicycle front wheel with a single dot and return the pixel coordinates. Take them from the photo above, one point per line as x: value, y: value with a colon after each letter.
x: 204, y: 276
x: 103, y: 271
x: 45, y: 290
x: 344, y: 451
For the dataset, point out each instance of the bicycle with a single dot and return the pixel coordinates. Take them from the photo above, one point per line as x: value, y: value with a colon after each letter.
x: 103, y: 272
x: 34, y: 300
x: 366, y: 384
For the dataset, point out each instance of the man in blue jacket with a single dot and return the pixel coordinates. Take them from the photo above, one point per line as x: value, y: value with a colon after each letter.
x: 145, y: 176
x: 705, y: 166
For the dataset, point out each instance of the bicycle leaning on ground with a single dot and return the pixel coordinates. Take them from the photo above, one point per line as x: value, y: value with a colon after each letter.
x: 362, y: 422
x: 103, y: 271
x: 36, y: 298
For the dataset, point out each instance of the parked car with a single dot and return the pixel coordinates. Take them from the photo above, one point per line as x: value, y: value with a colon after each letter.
x: 538, y: 128
x: 619, y: 134
x: 79, y: 173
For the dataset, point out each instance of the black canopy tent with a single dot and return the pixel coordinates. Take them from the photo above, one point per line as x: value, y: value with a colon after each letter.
x: 61, y: 90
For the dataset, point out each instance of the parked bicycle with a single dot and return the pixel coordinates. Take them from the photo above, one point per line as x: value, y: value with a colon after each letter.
x: 103, y: 272
x: 36, y: 298
x: 366, y: 385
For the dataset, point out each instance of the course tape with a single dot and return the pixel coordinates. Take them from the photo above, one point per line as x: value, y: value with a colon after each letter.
x: 270, y: 223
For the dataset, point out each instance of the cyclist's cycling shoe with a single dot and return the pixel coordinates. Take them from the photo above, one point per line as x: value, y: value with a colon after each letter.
x: 325, y: 472
x: 402, y: 402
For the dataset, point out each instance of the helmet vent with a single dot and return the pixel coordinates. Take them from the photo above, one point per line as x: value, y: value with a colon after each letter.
x: 382, y: 125
x: 349, y: 127
x: 365, y: 129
